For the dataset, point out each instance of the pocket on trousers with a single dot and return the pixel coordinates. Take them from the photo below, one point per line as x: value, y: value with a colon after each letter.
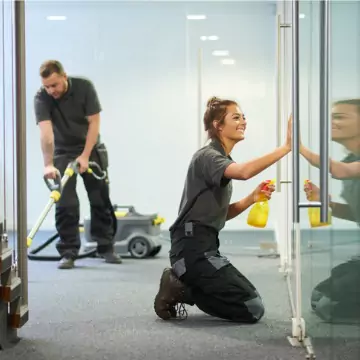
x: 103, y: 156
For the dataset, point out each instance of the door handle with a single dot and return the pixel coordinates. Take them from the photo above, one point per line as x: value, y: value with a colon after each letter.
x: 279, y: 83
x: 278, y: 103
x: 200, y: 114
x: 295, y: 112
x: 324, y: 113
x: 324, y: 108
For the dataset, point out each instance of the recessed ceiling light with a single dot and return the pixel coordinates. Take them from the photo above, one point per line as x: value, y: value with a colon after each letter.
x: 220, y: 52
x: 196, y: 17
x: 211, y: 38
x: 56, y: 17
x: 228, y: 61
x: 302, y: 16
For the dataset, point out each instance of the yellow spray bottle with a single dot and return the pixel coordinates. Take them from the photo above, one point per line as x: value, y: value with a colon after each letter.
x: 259, y: 213
x: 314, y: 213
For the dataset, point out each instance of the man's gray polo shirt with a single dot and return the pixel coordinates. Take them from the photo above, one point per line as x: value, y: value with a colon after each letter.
x: 69, y: 114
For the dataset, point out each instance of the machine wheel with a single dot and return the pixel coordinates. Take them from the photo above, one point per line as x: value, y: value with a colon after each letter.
x: 139, y: 247
x: 155, y: 251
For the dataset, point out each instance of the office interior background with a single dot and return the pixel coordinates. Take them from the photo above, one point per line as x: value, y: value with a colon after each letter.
x: 154, y: 65
x: 145, y: 123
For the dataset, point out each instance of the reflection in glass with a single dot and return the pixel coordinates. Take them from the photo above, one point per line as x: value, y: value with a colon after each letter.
x: 337, y: 298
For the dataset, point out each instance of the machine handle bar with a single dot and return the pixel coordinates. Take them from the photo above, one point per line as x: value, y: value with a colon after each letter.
x: 54, y: 184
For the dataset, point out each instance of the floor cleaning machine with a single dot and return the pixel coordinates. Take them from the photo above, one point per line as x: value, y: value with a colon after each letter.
x: 137, y: 234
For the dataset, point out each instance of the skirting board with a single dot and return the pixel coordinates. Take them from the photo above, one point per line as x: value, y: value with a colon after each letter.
x: 270, y: 232
x: 265, y: 236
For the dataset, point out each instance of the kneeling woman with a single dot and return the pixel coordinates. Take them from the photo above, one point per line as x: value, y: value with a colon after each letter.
x: 199, y: 274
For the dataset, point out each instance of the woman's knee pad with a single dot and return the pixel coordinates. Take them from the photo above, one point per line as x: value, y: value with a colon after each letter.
x: 315, y: 298
x: 324, y: 308
x: 256, y: 308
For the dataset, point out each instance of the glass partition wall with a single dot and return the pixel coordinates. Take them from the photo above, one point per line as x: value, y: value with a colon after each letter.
x: 13, y: 252
x: 322, y: 262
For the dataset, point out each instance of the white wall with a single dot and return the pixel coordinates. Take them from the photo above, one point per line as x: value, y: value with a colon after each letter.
x: 143, y: 60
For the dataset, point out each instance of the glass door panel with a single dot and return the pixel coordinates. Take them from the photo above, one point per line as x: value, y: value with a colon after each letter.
x: 344, y: 272
x: 327, y: 125
x: 315, y: 242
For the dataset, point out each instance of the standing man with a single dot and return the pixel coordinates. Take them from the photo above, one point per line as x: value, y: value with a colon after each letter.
x: 67, y: 112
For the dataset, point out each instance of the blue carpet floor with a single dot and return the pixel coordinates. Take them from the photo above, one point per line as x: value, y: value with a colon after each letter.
x: 101, y: 311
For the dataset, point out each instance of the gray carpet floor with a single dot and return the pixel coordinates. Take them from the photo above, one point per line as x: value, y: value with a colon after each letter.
x: 101, y: 311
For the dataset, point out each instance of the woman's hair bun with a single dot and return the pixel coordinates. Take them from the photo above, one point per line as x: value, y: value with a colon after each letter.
x: 213, y: 101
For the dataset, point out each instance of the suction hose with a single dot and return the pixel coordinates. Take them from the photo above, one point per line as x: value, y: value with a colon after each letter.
x: 32, y: 254
x: 56, y: 187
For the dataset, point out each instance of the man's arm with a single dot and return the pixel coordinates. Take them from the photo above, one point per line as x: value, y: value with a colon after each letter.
x: 43, y: 119
x: 238, y: 207
x: 92, y: 109
x: 92, y: 135
x: 47, y: 142
x: 342, y: 211
x: 338, y: 169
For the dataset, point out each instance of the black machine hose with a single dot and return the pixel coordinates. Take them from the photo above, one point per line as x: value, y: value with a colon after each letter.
x: 56, y: 190
x: 32, y: 255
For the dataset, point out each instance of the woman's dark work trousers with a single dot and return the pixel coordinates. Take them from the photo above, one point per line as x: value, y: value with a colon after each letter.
x: 337, y: 299
x: 67, y: 212
x: 216, y: 286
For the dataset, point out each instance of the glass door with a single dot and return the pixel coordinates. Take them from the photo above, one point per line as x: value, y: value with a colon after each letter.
x: 283, y: 225
x: 326, y: 154
x: 344, y: 272
x: 305, y: 76
x: 312, y: 123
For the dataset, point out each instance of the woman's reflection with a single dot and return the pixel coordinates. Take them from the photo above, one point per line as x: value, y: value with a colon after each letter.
x: 337, y: 299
